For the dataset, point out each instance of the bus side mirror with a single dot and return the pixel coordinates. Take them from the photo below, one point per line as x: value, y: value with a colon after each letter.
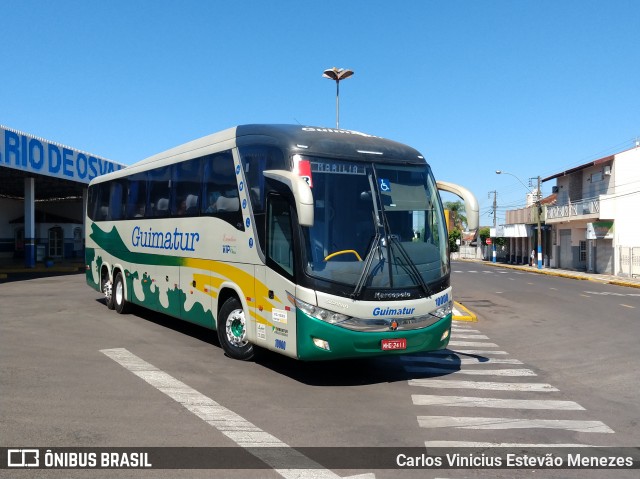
x: 301, y: 193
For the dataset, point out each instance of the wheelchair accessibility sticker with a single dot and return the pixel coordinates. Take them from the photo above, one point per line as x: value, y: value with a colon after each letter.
x: 384, y: 184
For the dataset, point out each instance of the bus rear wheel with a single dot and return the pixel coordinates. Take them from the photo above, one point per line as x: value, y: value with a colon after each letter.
x: 120, y: 303
x: 107, y: 289
x: 232, y: 331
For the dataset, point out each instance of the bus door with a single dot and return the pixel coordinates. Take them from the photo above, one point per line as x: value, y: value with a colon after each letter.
x: 278, y: 332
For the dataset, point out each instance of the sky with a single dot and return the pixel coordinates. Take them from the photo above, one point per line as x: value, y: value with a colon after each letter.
x: 528, y: 87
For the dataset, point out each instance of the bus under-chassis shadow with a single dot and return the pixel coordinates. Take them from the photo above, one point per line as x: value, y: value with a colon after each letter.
x: 338, y: 372
x: 363, y: 371
x: 184, y: 327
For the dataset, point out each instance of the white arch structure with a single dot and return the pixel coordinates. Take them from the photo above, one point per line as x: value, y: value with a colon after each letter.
x: 470, y: 202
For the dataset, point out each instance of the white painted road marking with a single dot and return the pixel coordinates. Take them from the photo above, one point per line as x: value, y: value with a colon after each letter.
x: 463, y: 329
x: 495, y: 444
x: 455, y: 360
x: 482, y: 385
x: 481, y: 352
x: 468, y: 336
x: 511, y: 423
x: 232, y: 425
x: 452, y: 361
x: 472, y: 372
x: 473, y: 344
x: 464, y: 401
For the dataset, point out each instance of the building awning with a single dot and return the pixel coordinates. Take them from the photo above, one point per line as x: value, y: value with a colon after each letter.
x: 516, y: 231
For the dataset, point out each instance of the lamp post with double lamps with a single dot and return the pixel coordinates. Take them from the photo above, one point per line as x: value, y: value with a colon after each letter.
x: 337, y: 74
x: 538, y: 208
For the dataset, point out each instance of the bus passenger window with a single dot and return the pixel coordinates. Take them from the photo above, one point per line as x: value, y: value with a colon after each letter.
x: 186, y: 188
x: 117, y: 200
x: 220, y: 189
x: 159, y: 192
x: 96, y: 209
x: 137, y: 197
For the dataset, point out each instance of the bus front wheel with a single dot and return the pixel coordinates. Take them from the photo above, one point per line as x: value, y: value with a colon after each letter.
x: 232, y: 330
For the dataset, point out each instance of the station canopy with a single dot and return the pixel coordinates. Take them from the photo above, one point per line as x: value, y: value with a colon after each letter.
x: 58, y: 171
x: 47, y: 188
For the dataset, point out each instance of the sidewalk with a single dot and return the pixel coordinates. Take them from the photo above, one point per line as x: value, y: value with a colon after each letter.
x: 580, y: 275
x: 10, y: 270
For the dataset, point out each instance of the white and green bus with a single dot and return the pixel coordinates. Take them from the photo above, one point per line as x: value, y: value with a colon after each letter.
x: 312, y: 242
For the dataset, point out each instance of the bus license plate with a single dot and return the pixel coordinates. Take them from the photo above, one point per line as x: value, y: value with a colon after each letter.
x: 391, y: 344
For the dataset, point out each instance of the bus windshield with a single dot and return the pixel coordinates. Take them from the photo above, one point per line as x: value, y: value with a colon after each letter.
x: 376, y: 226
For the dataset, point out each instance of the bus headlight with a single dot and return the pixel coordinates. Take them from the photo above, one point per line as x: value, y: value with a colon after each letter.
x: 444, y: 310
x: 322, y: 314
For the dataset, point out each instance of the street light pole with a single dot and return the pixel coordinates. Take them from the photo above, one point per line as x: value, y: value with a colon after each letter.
x: 495, y: 224
x: 337, y: 74
x: 538, y: 211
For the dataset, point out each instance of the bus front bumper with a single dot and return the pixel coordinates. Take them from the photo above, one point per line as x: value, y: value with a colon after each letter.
x: 340, y: 343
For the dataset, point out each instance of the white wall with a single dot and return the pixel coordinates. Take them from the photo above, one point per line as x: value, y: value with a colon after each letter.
x: 627, y: 198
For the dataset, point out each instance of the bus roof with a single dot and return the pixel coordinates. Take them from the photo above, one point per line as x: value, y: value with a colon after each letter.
x: 332, y: 142
x: 308, y: 140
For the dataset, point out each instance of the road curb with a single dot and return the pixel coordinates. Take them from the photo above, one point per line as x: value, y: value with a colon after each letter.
x: 467, y: 316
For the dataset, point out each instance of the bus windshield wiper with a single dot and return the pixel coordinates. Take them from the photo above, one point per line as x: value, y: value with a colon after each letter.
x: 411, y: 267
x: 375, y: 246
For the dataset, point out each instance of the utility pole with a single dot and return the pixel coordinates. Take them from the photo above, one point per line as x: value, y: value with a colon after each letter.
x: 539, y: 205
x: 495, y: 223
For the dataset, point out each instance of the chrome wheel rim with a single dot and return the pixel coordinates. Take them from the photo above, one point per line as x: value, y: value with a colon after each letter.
x: 108, y: 290
x: 236, y: 328
x: 119, y: 292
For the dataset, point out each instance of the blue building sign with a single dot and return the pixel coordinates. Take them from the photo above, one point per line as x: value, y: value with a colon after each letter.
x: 27, y: 153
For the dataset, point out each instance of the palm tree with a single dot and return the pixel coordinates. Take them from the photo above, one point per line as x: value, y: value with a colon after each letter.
x: 457, y: 214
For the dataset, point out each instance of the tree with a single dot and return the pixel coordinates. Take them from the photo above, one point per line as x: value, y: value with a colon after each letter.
x: 454, y: 235
x: 457, y: 214
x: 484, y: 233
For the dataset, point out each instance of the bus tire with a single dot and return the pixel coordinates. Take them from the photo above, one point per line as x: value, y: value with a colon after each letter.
x: 107, y: 289
x: 232, y: 330
x: 120, y: 303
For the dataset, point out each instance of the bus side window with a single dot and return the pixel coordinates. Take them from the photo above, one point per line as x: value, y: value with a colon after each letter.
x: 220, y: 189
x: 137, y: 198
x: 92, y: 203
x: 117, y: 197
x: 255, y: 159
x: 159, y: 192
x: 186, y: 188
x: 279, y: 234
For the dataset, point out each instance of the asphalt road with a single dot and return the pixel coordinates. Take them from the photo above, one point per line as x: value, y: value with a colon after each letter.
x: 77, y: 375
x: 582, y: 336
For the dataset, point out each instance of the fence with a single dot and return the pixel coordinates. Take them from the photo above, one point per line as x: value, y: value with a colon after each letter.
x: 469, y: 252
x: 578, y: 208
x: 630, y: 261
